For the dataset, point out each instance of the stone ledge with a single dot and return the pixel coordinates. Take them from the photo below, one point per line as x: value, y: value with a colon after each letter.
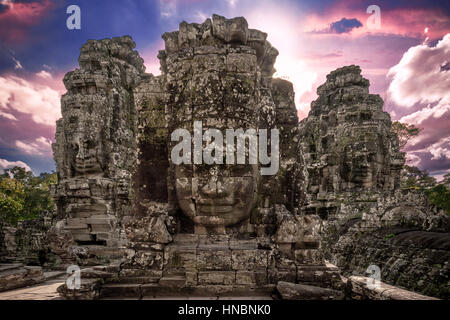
x: 295, y: 291
x: 13, y: 276
x: 358, y: 289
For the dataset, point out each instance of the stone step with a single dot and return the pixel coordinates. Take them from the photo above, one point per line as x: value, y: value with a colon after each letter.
x: 131, y: 290
x: 156, y: 290
x: 135, y: 280
x: 173, y: 281
x: 9, y: 266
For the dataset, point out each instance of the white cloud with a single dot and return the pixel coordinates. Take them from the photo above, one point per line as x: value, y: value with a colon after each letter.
x: 40, y: 147
x: 437, y: 111
x: 40, y: 101
x: 17, y: 65
x: 44, y: 74
x: 440, y: 149
x: 418, y: 77
x: 5, y: 164
x: 420, y: 81
x: 412, y: 159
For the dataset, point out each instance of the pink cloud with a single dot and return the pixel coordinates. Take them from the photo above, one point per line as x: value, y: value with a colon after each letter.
x: 402, y: 21
x: 418, y: 77
x: 30, y: 97
x: 29, y: 108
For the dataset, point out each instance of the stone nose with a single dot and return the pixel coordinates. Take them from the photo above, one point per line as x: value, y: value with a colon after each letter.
x: 215, y: 189
x: 80, y: 150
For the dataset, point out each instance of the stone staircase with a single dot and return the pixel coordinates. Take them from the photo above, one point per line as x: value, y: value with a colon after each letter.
x: 16, y: 275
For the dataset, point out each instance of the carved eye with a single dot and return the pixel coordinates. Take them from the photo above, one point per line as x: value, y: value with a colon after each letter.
x: 73, y: 119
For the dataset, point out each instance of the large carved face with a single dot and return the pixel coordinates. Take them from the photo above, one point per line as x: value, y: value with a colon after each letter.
x: 85, y: 148
x: 362, y: 162
x: 216, y: 195
x: 85, y: 160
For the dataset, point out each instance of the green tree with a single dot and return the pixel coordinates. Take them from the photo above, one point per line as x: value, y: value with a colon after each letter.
x: 414, y: 178
x: 405, y: 132
x: 446, y: 181
x: 12, y: 197
x: 31, y: 198
x: 440, y: 196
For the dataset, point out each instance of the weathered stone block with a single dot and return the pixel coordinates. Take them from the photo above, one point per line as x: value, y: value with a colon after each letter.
x: 249, y: 259
x: 214, y: 259
x: 216, y: 277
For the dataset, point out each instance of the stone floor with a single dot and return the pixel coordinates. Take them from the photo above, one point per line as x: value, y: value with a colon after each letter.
x: 196, y: 298
x: 47, y: 291
x: 42, y: 291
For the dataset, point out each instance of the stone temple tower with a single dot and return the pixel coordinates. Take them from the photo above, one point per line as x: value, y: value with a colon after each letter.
x: 347, y: 145
x: 96, y: 145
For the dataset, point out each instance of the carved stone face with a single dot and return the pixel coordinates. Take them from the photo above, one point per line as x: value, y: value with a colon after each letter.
x: 361, y: 162
x: 216, y: 195
x: 85, y: 148
x: 85, y: 161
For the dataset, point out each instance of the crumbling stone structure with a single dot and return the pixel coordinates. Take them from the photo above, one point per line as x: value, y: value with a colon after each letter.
x: 214, y: 229
x: 205, y: 229
x: 351, y: 169
x: 347, y: 144
x: 95, y: 144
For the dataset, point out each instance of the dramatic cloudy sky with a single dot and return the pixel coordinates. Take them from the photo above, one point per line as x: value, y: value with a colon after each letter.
x: 407, y: 59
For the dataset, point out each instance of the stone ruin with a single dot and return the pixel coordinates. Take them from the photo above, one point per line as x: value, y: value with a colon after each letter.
x: 95, y: 149
x: 351, y: 169
x: 143, y: 226
x: 200, y: 229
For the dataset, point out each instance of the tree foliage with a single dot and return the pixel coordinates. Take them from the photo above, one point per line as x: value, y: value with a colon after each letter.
x: 438, y: 193
x: 405, y: 132
x: 414, y: 178
x: 24, y: 196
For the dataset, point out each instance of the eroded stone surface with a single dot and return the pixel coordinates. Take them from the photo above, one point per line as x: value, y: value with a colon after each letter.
x: 95, y: 142
x: 351, y: 169
x: 216, y: 229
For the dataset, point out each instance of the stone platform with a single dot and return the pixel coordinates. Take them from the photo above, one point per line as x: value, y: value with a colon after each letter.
x: 219, y: 266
